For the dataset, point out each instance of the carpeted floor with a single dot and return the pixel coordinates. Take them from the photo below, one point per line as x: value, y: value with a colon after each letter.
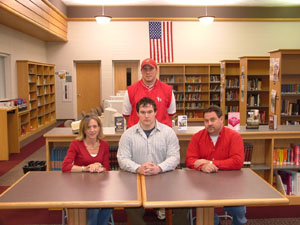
x: 26, y: 151
x: 285, y: 221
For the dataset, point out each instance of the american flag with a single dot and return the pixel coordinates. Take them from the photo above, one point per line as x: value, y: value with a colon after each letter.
x: 161, y: 41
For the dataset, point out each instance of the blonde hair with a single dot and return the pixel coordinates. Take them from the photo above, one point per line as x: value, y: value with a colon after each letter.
x: 84, y: 126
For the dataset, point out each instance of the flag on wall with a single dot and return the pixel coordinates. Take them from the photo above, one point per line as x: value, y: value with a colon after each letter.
x: 161, y: 41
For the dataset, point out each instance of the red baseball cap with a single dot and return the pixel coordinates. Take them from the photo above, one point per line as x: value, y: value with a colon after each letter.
x: 149, y: 62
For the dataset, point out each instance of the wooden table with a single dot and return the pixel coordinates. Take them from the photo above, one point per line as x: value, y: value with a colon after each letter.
x: 191, y: 188
x: 74, y: 191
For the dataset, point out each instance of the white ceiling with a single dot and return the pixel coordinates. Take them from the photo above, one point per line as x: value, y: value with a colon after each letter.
x: 262, y: 3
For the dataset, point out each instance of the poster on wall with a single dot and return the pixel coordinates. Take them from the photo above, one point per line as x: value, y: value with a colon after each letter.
x: 65, y: 79
x: 67, y: 92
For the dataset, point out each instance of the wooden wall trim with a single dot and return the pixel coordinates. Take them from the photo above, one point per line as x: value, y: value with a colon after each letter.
x: 55, y: 9
x: 193, y: 19
x: 35, y: 18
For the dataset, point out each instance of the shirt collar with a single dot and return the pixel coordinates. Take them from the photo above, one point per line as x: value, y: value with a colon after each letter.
x: 140, y: 129
x: 220, y: 134
x: 149, y: 87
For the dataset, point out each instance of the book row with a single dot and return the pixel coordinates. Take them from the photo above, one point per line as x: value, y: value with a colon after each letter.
x: 57, y: 156
x: 232, y: 95
x: 287, y: 156
x: 290, y: 88
x: 231, y: 108
x: 290, y: 108
x: 254, y: 100
x: 254, y: 84
x: 289, y: 181
x: 233, y: 83
x: 248, y: 148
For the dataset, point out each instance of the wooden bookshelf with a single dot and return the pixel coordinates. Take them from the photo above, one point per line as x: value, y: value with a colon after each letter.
x: 288, y: 85
x: 36, y: 84
x: 230, y: 87
x: 195, y: 86
x: 255, y: 87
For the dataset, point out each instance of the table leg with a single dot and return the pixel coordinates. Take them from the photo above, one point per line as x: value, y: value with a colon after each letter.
x: 169, y: 213
x: 205, y: 216
x: 76, y: 216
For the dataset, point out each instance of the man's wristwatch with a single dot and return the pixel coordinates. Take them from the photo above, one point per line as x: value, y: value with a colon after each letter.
x: 210, y: 162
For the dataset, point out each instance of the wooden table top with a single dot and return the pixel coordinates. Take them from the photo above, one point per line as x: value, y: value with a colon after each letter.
x: 191, y: 188
x: 73, y: 190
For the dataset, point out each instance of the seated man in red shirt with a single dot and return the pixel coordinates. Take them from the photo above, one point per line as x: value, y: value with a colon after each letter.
x: 217, y: 148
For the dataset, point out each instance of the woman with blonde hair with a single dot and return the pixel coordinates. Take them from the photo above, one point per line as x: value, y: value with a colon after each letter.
x: 89, y: 153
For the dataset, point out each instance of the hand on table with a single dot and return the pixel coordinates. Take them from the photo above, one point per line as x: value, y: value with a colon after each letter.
x: 149, y: 168
x: 95, y: 168
x: 209, y: 168
x: 200, y: 162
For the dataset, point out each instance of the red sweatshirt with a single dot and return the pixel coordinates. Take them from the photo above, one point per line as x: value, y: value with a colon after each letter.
x: 227, y: 154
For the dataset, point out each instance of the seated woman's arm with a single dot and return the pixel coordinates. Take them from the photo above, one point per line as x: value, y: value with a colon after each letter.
x: 67, y: 165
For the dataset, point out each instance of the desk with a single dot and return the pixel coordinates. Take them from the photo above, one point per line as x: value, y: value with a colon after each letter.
x: 75, y: 191
x: 191, y: 188
x: 9, y: 137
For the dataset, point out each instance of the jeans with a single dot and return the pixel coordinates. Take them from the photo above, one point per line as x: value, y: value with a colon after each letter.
x: 237, y: 213
x: 98, y: 216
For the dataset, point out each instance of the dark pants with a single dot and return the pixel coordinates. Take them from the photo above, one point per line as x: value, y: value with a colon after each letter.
x: 135, y: 216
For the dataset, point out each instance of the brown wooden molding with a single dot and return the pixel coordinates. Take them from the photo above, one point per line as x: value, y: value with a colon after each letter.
x: 193, y: 19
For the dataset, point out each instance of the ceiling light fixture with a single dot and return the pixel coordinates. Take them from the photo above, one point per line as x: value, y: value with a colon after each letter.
x: 102, y: 19
x: 206, y: 19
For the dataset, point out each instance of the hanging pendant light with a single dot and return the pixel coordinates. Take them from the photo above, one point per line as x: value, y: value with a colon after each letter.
x: 102, y: 19
x: 206, y: 19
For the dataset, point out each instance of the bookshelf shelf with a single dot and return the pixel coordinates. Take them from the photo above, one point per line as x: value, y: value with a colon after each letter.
x: 291, y: 74
x: 286, y: 167
x: 260, y: 167
x: 40, y: 77
x: 195, y: 87
x: 290, y: 95
x: 290, y: 116
x: 254, y: 76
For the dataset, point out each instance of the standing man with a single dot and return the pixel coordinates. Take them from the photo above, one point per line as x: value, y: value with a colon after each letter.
x: 149, y: 86
x: 217, y: 148
x: 149, y: 148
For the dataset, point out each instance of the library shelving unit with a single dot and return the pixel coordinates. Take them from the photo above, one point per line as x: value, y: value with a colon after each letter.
x: 287, y: 106
x: 196, y: 86
x: 230, y: 86
x: 254, y: 87
x: 36, y: 84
